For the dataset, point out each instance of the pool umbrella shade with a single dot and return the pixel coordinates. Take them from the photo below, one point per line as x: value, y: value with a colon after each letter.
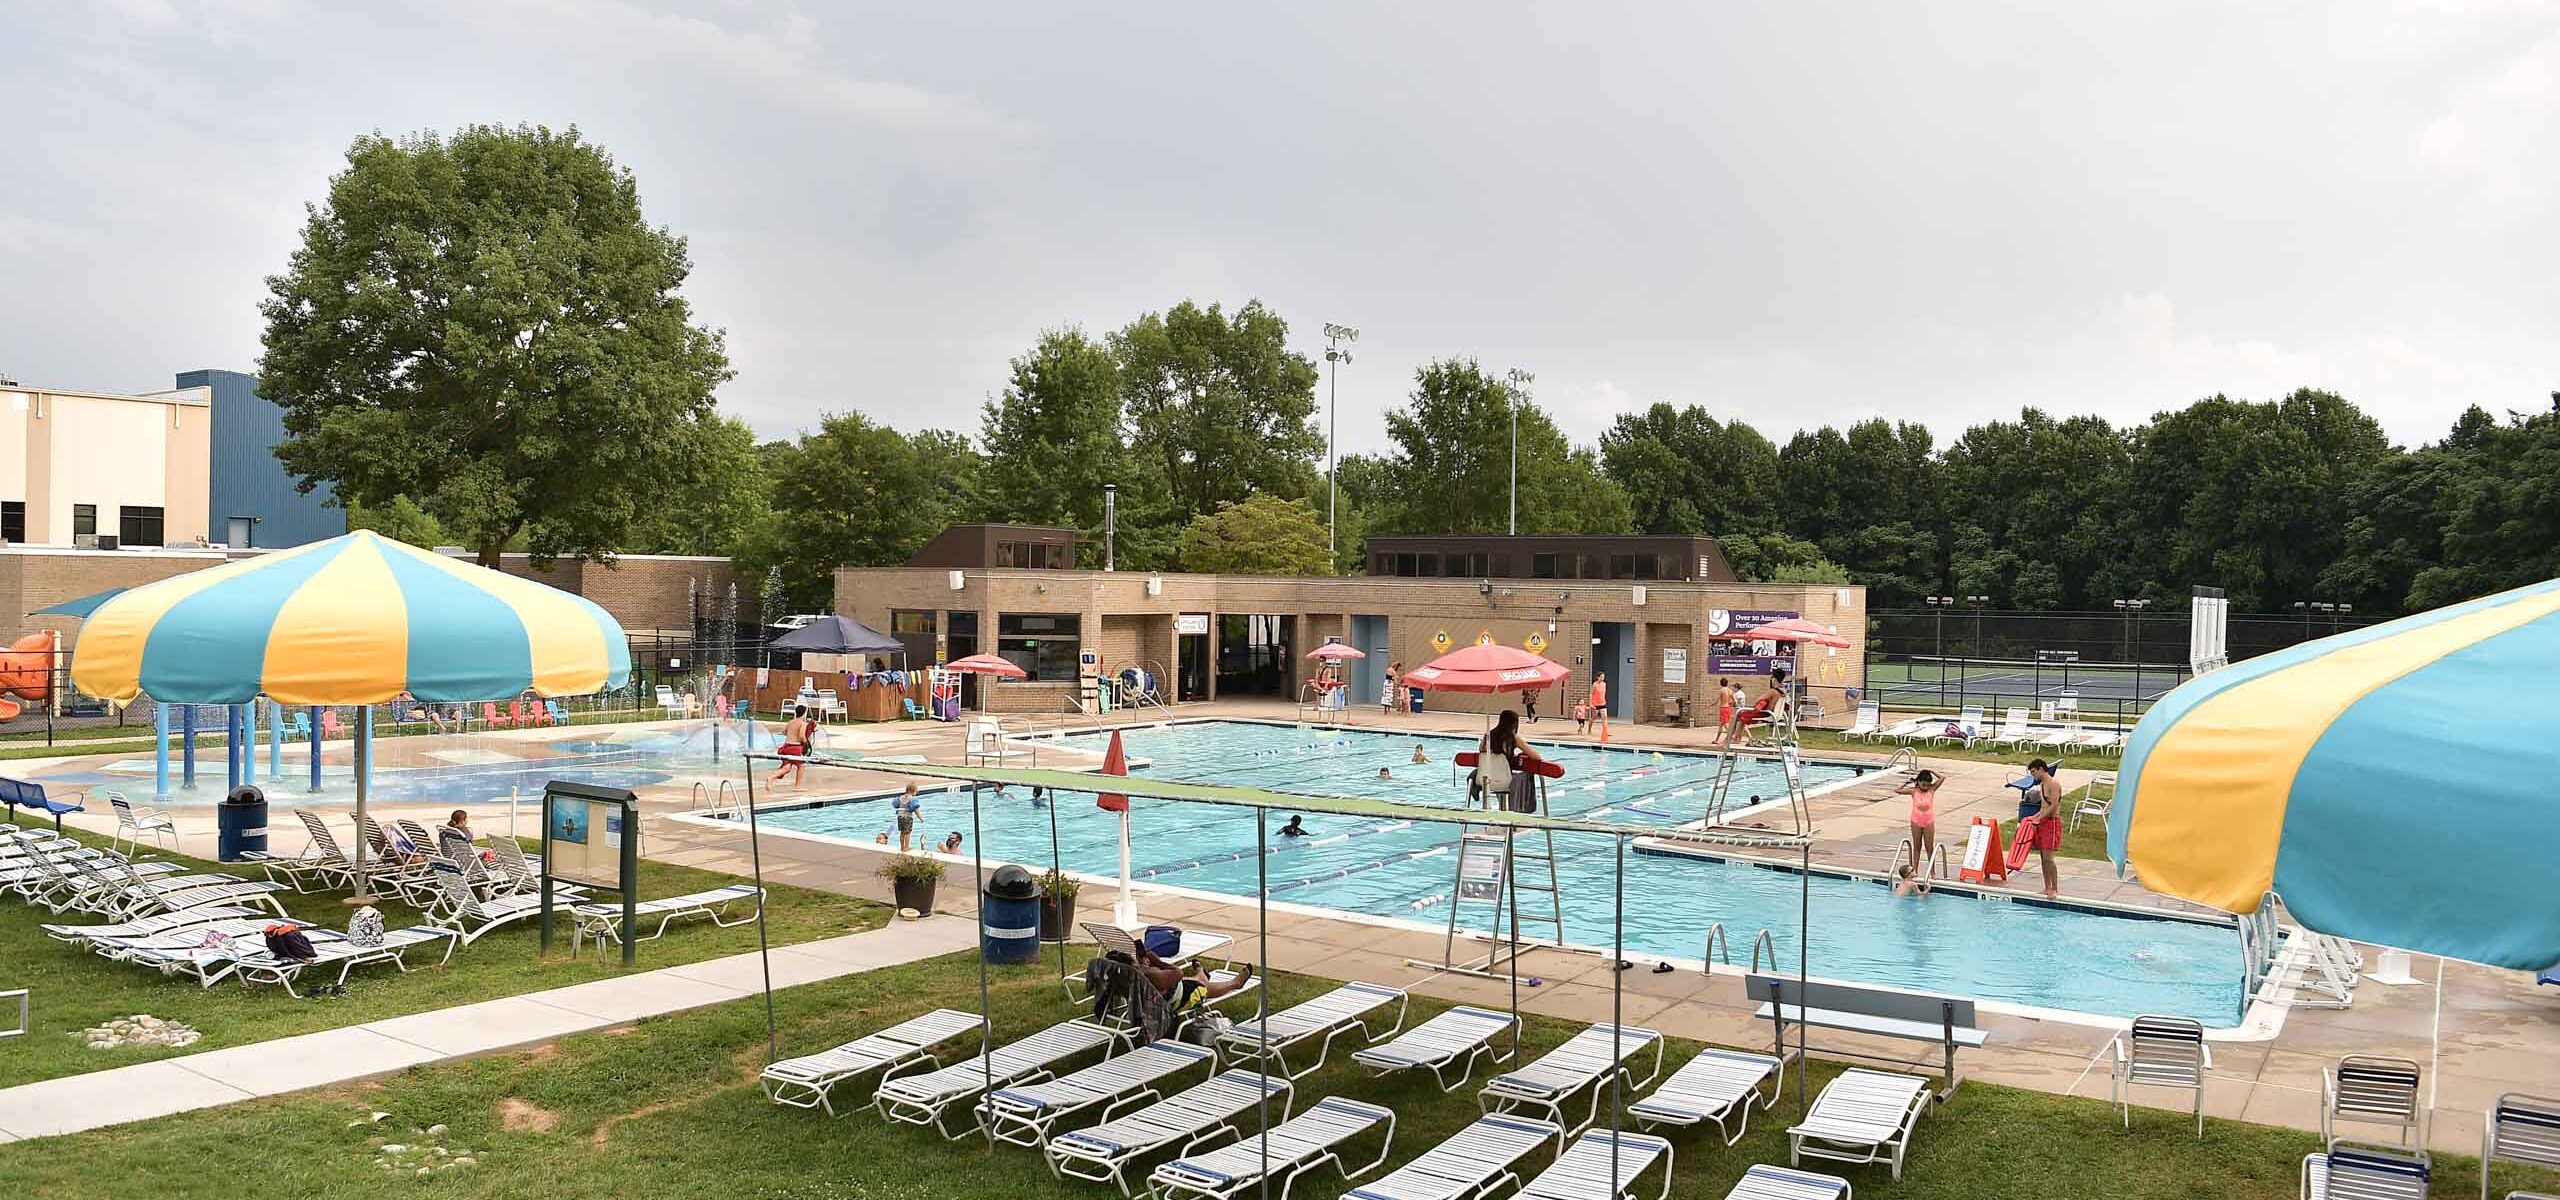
x: 837, y: 635
x: 986, y: 664
x: 2392, y: 784
x: 1490, y: 667
x: 1793, y: 629
x: 1336, y: 652
x: 81, y: 607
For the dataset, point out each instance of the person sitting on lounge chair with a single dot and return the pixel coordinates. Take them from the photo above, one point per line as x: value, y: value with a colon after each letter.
x: 1194, y: 989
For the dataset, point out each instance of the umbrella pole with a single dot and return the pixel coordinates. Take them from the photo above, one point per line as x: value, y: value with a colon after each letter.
x: 1124, y: 908
x: 364, y: 752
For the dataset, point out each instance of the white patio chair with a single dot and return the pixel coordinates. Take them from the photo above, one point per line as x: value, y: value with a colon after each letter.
x: 925, y: 1099
x: 2348, y: 1171
x: 1455, y: 1038
x: 1863, y: 726
x: 2091, y: 803
x: 2373, y: 1089
x: 1765, y: 1182
x: 2164, y: 1052
x: 1585, y: 1170
x: 1026, y: 1114
x: 1304, y: 1142
x: 134, y: 824
x: 602, y: 920
x: 1473, y: 1164
x: 2521, y: 1129
x: 1341, y: 1011
x: 810, y: 1080
x: 1585, y: 1060
x: 1718, y: 1085
x: 1862, y: 1116
x: 1195, y: 1115
x: 2013, y: 729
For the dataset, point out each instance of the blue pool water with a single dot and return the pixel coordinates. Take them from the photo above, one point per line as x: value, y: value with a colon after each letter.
x: 2022, y: 953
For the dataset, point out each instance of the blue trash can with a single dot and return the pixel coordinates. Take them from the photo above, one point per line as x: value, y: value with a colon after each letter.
x: 1009, y: 917
x: 1417, y: 699
x: 241, y: 824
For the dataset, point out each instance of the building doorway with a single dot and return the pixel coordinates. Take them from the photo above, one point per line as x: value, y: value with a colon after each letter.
x: 1191, y: 670
x: 1613, y: 656
x: 959, y: 642
x: 1368, y: 675
x: 1254, y: 654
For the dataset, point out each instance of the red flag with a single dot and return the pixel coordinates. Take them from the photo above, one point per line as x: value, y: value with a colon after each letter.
x: 1115, y: 761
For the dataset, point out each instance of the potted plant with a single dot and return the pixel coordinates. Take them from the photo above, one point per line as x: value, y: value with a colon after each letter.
x: 1057, y: 905
x: 912, y: 877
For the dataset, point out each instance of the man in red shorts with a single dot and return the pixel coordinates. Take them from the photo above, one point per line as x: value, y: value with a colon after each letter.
x: 2046, y: 823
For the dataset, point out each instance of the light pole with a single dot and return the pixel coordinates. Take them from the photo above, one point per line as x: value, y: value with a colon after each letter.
x: 1938, y: 609
x: 2132, y: 610
x: 1334, y: 357
x: 1519, y: 387
x: 2308, y: 607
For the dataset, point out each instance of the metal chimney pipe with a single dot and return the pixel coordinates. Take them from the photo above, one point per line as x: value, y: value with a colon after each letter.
x: 1110, y: 523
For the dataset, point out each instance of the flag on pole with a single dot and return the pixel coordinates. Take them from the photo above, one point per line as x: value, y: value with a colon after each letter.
x: 1115, y: 761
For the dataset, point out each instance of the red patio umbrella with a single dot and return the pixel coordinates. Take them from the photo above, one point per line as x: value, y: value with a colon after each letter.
x: 986, y: 664
x: 1792, y: 629
x: 1337, y: 651
x: 1487, y: 668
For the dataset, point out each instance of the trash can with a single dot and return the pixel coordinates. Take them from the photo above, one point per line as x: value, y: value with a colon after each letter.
x: 241, y: 820
x: 1417, y: 699
x: 1009, y: 917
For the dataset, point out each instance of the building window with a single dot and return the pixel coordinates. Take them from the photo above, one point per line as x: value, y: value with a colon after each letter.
x: 1622, y: 566
x: 910, y: 620
x: 138, y: 526
x: 1407, y: 565
x: 1044, y: 645
x: 1542, y: 566
x: 13, y: 521
x: 1595, y: 566
x: 84, y: 520
x: 1429, y: 566
x: 1500, y: 567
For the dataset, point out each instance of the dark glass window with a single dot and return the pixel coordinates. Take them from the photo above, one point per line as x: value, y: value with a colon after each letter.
x: 1595, y: 566
x: 13, y: 520
x: 910, y: 620
x: 1542, y: 566
x: 1499, y: 567
x: 84, y: 519
x: 1043, y: 644
x: 138, y: 526
x: 1427, y: 565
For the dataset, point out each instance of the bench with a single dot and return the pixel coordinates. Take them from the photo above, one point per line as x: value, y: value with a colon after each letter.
x: 1912, y: 1016
x: 17, y: 794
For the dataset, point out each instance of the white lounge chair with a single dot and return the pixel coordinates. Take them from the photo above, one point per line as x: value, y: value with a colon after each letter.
x: 1585, y: 1170
x: 1301, y: 1144
x: 1870, y: 715
x: 1862, y: 1116
x: 134, y: 824
x: 2373, y: 1089
x: 1961, y: 731
x: 1718, y: 1085
x: 603, y: 921
x: 471, y: 918
x: 320, y: 862
x: 1194, y: 1115
x: 1908, y: 728
x: 254, y: 965
x: 2091, y: 803
x: 2523, y: 1129
x: 2013, y: 729
x: 140, y: 927
x: 1197, y: 944
x: 1343, y: 1010
x: 1026, y: 1113
x: 2348, y: 1171
x: 1456, y: 1038
x: 924, y: 1099
x: 2164, y: 1052
x: 1585, y: 1060
x: 1765, y: 1182
x: 810, y: 1080
x: 1473, y: 1164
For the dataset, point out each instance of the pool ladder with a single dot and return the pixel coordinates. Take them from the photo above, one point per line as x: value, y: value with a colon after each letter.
x: 1903, y: 758
x: 719, y: 800
x: 1720, y: 949
x: 1760, y: 944
x: 1937, y: 863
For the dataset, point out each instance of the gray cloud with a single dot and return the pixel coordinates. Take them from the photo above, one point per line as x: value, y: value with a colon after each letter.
x: 1793, y: 213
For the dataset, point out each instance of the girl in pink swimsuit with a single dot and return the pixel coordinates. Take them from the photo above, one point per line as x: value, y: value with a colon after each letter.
x: 1923, y: 790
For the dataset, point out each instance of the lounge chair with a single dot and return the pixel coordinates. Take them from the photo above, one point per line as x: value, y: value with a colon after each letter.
x: 2164, y: 1052
x: 2373, y: 1089
x: 134, y: 824
x: 147, y: 926
x: 1025, y: 1114
x: 1194, y: 1115
x: 1304, y: 1142
x: 1962, y: 730
x: 212, y: 953
x: 522, y: 870
x: 1196, y: 944
x: 467, y: 915
x: 254, y: 965
x: 1343, y: 1010
x: 1586, y: 1060
x: 603, y: 921
x: 2091, y: 803
x: 1584, y: 1171
x: 1473, y: 1164
x: 924, y: 1099
x: 1862, y: 1116
x: 1456, y: 1038
x: 2349, y: 1171
x: 320, y: 862
x: 810, y: 1080
x: 1718, y: 1085
x: 1870, y: 714
x: 2013, y: 729
x: 2520, y: 1128
x: 1765, y: 1182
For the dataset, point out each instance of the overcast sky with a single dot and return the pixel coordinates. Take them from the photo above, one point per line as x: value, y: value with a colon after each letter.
x: 1794, y: 213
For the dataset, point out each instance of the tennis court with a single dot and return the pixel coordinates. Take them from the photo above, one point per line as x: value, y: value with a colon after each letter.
x: 1924, y: 679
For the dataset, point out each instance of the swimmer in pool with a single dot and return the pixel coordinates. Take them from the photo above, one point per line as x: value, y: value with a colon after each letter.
x: 1296, y: 826
x: 1384, y: 773
x: 1908, y: 883
x: 1418, y: 755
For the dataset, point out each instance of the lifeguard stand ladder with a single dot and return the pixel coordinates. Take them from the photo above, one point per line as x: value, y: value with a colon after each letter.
x: 1496, y: 864
x: 1729, y: 765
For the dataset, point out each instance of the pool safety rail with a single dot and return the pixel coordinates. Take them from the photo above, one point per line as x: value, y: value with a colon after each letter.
x: 1718, y: 949
x: 2294, y: 967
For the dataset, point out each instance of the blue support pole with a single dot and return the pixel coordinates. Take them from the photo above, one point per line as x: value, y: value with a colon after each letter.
x: 313, y: 742
x: 275, y: 741
x: 230, y: 747
x: 160, y: 753
x: 187, y: 736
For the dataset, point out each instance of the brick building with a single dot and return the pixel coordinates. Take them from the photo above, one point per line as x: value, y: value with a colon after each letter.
x: 648, y: 593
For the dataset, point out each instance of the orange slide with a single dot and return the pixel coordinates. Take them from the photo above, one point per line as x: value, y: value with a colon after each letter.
x: 26, y: 672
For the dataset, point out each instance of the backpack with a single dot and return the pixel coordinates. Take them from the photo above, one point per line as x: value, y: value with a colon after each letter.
x: 289, y: 943
x: 1163, y: 941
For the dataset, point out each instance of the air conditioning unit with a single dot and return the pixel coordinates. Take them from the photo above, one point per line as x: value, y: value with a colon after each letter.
x: 959, y: 580
x: 1155, y: 585
x: 85, y: 541
x: 109, y: 541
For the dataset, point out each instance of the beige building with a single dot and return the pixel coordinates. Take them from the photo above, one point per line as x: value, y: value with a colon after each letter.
x: 1204, y: 636
x: 97, y: 469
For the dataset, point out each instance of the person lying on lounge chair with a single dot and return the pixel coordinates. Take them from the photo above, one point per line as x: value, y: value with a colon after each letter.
x: 1189, y: 990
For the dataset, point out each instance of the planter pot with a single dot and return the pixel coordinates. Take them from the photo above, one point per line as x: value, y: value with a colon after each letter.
x: 1056, y: 918
x: 915, y: 893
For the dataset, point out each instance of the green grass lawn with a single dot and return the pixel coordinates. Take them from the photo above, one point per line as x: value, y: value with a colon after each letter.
x: 668, y: 1110
x: 2077, y: 760
x: 74, y: 989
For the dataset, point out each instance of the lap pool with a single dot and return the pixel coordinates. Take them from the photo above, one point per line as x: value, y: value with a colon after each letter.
x: 2087, y: 959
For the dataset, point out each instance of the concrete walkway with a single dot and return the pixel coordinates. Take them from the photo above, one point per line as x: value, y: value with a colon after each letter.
x: 216, y: 1077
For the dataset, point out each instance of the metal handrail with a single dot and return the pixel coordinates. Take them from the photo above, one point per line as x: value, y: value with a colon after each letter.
x: 1758, y: 944
x: 1716, y: 942
x: 1937, y: 860
x: 1904, y: 757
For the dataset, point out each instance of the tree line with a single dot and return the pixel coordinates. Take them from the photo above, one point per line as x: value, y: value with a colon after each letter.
x: 481, y: 340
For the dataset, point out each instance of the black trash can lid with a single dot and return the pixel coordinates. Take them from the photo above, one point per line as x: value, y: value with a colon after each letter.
x: 1012, y: 883
x: 245, y: 794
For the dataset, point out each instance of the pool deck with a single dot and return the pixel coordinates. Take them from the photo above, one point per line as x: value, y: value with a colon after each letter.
x: 2494, y: 1033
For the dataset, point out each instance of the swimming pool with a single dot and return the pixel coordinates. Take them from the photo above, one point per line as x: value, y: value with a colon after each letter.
x: 2024, y: 952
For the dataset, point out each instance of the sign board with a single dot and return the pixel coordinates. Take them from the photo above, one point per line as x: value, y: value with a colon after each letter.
x: 1795, y: 767
x: 1675, y: 664
x: 1536, y: 642
x: 1731, y: 650
x: 1479, y: 869
x: 591, y: 836
x: 1190, y: 623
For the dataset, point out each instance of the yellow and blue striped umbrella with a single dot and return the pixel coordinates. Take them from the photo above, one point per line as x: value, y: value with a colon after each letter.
x: 353, y: 620
x: 2394, y: 785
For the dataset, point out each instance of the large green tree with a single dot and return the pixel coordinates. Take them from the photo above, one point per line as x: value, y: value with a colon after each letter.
x: 1684, y: 471
x: 862, y: 494
x: 717, y: 499
x: 2246, y: 495
x: 1219, y: 404
x: 486, y: 324
x: 1451, y: 469
x: 1259, y: 535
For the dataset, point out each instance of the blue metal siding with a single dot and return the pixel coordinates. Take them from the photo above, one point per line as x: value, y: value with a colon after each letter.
x: 247, y: 479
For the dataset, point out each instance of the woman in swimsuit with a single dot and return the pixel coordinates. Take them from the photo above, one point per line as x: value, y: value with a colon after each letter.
x: 1923, y: 790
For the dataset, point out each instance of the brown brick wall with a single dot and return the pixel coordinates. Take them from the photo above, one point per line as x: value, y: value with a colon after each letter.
x: 648, y: 592
x: 30, y: 580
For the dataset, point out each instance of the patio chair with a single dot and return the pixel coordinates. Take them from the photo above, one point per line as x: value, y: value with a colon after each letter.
x: 1585, y: 1060
x: 1341, y: 1011
x: 925, y: 1099
x: 1025, y: 1114
x: 559, y: 713
x: 331, y: 728
x: 810, y: 1080
x: 2164, y: 1052
x: 1475, y: 1163
x: 603, y: 922
x: 1870, y: 715
x: 414, y: 838
x: 456, y: 847
x: 1718, y: 1085
x: 1192, y: 1116
x: 212, y: 953
x: 21, y: 793
x: 2373, y: 1089
x: 262, y: 891
x: 2348, y: 1171
x: 467, y: 915
x: 1861, y: 1116
x: 1765, y: 1182
x: 1584, y: 1170
x: 254, y: 965
x: 913, y: 710
x: 1908, y: 729
x: 1455, y: 1038
x: 492, y: 718
x: 1196, y: 944
x: 517, y: 716
x: 301, y: 727
x: 134, y: 824
x: 668, y: 702
x: 2013, y: 729
x: 83, y: 935
x: 1296, y: 1146
x: 2521, y: 1129
x: 522, y: 870
x: 1962, y: 730
x: 2091, y: 803
x: 321, y: 861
